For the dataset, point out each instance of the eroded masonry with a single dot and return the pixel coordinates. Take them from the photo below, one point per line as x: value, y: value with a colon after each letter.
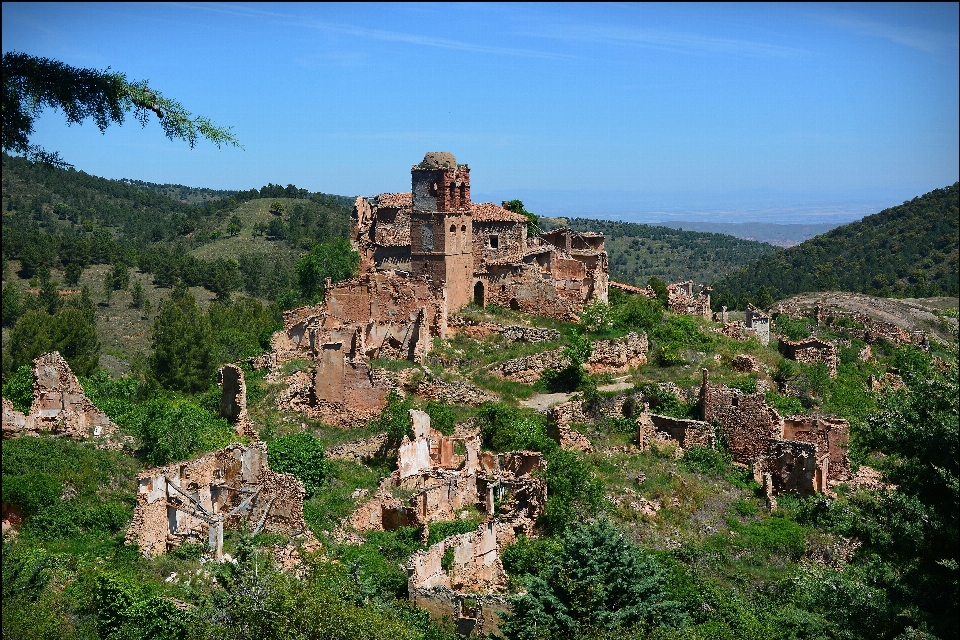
x: 424, y: 255
x: 449, y: 475
x: 193, y: 501
x: 60, y: 408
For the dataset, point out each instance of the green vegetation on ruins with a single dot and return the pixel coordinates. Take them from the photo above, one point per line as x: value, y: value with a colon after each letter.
x: 634, y: 544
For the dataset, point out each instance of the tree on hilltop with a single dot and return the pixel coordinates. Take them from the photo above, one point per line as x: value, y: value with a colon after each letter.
x: 31, y: 83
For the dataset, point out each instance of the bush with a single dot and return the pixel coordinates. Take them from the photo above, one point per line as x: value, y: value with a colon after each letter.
x: 19, y: 389
x: 573, y: 491
x: 505, y: 428
x: 394, y: 418
x: 171, y: 430
x: 598, y: 583
x: 705, y: 460
x: 443, y: 530
x: 442, y: 417
x: 301, y: 455
x: 792, y: 328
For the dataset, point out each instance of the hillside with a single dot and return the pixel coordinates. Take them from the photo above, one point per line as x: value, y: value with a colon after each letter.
x: 639, y: 251
x: 910, y: 250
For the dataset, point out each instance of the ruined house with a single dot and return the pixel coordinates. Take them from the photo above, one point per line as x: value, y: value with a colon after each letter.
x: 480, y: 252
x: 811, y: 351
x: 799, y: 454
x: 684, y: 299
x: 463, y: 586
x: 60, y: 407
x: 445, y: 481
x: 193, y: 501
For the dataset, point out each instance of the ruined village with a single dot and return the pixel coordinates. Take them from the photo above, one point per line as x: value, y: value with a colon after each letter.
x: 438, y: 271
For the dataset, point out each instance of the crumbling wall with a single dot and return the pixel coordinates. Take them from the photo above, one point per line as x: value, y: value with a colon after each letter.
x: 233, y: 400
x: 194, y: 500
x: 811, y: 351
x: 757, y: 325
x: 682, y: 300
x: 473, y: 614
x: 745, y: 420
x: 829, y: 435
x: 455, y: 392
x: 608, y: 356
x: 60, y: 408
x: 745, y: 363
x: 559, y: 418
x: 793, y: 467
x: 686, y: 433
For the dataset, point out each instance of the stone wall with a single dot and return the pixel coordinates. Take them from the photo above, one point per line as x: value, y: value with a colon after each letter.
x: 608, y: 356
x: 193, y: 501
x: 233, y: 400
x: 60, y: 408
x: 686, y: 433
x: 745, y: 420
x: 682, y: 299
x: 811, y: 351
x: 829, y: 435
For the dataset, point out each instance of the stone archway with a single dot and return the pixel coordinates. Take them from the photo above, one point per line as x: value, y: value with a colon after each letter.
x: 478, y: 294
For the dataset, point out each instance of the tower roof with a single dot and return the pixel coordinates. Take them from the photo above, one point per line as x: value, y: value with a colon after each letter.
x: 438, y: 160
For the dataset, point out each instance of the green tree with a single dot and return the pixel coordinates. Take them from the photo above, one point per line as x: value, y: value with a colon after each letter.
x: 335, y: 260
x: 236, y: 224
x: 171, y: 430
x: 183, y: 345
x: 71, y: 332
x: 600, y: 583
x: 533, y: 220
x: 30, y: 84
x: 12, y: 305
x: 137, y: 295
x: 660, y: 287
x: 301, y: 455
x: 916, y: 531
x: 72, y: 273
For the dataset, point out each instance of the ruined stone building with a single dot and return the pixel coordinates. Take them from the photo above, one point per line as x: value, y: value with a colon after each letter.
x: 60, y: 408
x: 444, y: 482
x: 481, y: 252
x: 684, y: 300
x: 798, y: 454
x: 811, y: 351
x: 193, y: 501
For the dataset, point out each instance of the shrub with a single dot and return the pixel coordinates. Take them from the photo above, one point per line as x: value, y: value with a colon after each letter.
x: 505, y: 428
x: 301, y: 455
x: 574, y: 492
x: 171, y: 430
x: 705, y: 460
x: 442, y: 530
x: 394, y: 418
x: 442, y: 417
x: 19, y: 389
x: 598, y: 583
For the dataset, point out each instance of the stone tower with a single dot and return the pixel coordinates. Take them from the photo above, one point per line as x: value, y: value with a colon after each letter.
x: 441, y: 225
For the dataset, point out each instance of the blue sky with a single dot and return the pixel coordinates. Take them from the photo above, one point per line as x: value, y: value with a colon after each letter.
x: 792, y: 113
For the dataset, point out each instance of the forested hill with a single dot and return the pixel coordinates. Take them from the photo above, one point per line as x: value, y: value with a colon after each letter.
x: 906, y: 251
x: 54, y: 218
x: 639, y: 251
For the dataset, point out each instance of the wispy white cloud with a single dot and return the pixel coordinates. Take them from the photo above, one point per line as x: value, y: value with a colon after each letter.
x: 676, y: 41
x: 378, y: 34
